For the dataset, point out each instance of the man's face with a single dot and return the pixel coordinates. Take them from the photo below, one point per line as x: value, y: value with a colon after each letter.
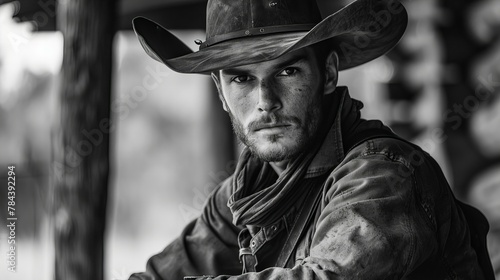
x: 275, y: 106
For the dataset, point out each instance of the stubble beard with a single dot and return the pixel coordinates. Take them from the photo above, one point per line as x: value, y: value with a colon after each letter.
x: 308, y: 130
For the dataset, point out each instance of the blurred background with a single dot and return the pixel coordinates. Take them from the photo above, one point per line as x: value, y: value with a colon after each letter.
x: 171, y: 143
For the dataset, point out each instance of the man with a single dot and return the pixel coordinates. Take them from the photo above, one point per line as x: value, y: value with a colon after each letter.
x: 318, y: 192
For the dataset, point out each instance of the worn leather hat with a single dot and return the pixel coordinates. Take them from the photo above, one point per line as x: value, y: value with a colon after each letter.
x: 240, y: 32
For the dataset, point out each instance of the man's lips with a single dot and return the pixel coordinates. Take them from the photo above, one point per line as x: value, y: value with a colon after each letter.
x: 267, y: 126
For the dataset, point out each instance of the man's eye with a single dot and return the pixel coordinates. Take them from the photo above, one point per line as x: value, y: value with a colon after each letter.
x: 240, y: 79
x: 288, y: 71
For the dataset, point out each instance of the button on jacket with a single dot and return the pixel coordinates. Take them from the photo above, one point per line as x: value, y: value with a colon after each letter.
x: 385, y: 212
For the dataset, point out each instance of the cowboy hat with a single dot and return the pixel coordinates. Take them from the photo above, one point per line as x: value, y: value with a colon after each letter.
x: 240, y: 32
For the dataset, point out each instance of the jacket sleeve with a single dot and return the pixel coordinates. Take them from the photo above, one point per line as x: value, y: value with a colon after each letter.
x: 208, y: 245
x: 370, y: 226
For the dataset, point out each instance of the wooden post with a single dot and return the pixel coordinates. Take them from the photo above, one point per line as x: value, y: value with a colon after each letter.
x: 81, y: 140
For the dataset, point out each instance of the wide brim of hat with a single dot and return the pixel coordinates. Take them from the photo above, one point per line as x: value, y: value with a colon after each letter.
x: 360, y: 32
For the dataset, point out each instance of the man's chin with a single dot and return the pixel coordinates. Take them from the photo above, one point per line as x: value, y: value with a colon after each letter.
x: 274, y: 152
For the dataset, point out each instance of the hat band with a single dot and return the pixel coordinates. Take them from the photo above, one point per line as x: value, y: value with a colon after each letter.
x: 255, y: 31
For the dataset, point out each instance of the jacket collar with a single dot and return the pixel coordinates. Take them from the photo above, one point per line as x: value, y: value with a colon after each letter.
x: 347, y: 120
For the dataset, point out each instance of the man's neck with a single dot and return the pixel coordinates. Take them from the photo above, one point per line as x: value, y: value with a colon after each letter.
x: 279, y: 166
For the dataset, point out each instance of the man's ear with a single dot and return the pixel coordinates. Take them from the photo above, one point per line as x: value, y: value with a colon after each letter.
x: 331, y: 72
x: 215, y: 78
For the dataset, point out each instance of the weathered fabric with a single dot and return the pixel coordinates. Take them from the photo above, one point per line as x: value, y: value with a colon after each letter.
x: 386, y: 212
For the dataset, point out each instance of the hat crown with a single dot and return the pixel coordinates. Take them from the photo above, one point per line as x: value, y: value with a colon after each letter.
x: 230, y: 16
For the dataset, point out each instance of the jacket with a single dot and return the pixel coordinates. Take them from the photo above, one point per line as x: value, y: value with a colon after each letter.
x: 385, y: 211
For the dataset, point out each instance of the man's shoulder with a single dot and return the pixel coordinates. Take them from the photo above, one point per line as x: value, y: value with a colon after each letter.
x: 390, y: 148
x: 400, y: 162
x: 224, y: 189
x: 215, y: 208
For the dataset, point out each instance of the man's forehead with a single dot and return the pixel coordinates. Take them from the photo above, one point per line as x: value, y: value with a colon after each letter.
x: 301, y: 55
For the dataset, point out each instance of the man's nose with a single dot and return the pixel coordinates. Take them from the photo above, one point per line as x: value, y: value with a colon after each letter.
x: 269, y: 100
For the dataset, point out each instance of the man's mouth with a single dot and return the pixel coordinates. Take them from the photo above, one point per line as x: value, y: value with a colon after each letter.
x: 271, y: 127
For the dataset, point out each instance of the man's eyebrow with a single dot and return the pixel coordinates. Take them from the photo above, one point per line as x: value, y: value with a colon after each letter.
x: 234, y: 72
x: 290, y: 61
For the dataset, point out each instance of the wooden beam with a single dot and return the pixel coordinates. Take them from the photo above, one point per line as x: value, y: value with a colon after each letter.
x: 173, y: 14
